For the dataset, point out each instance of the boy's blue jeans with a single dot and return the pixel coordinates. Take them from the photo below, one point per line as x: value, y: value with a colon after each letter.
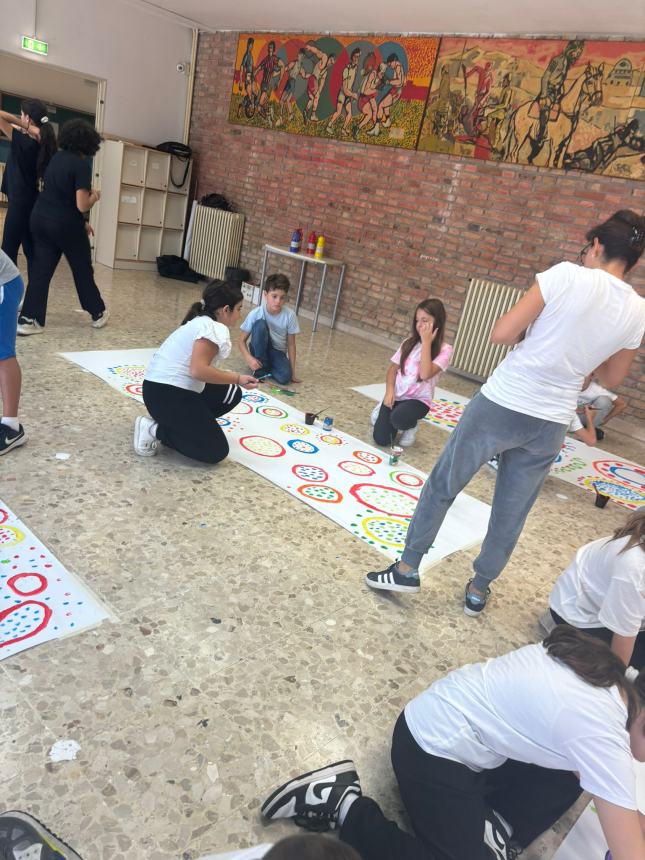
x: 273, y: 360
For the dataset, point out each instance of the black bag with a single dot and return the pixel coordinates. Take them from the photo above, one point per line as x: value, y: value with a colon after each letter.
x: 172, y: 266
x: 182, y: 153
x: 216, y: 201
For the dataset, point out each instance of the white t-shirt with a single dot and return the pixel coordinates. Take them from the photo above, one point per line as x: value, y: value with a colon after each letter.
x: 8, y: 272
x: 588, y: 316
x: 528, y: 707
x: 244, y: 854
x: 171, y: 363
x: 603, y: 587
x: 280, y: 325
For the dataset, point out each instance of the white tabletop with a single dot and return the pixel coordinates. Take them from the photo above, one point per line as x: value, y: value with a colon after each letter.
x: 285, y: 252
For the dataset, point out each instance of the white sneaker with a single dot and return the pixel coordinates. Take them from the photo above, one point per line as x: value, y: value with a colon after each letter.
x: 408, y: 437
x: 101, y: 320
x: 27, y: 326
x: 374, y: 415
x: 145, y: 442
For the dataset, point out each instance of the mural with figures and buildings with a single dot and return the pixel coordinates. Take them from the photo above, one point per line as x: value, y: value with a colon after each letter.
x: 567, y: 104
x: 367, y: 89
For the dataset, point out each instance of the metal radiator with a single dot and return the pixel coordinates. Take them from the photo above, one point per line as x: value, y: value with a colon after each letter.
x: 474, y: 355
x: 216, y: 240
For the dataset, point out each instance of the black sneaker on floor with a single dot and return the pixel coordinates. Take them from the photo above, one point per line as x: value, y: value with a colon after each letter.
x: 498, y: 840
x: 313, y: 800
x: 391, y: 580
x: 22, y: 836
x: 473, y: 603
x: 10, y: 438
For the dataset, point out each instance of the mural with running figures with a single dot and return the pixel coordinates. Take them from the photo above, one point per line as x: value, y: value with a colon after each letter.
x: 366, y: 89
x: 577, y: 105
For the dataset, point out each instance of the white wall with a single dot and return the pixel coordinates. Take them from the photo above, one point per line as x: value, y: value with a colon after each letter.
x: 25, y: 78
x: 134, y: 51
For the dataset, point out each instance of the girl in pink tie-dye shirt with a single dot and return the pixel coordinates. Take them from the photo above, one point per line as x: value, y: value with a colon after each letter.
x: 412, y: 376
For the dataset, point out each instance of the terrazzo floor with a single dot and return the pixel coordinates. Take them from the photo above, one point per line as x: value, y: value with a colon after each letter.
x: 247, y: 647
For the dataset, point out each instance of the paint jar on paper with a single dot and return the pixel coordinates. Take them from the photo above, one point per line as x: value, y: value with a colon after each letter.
x: 320, y: 248
x: 328, y: 423
x: 311, y: 243
x: 395, y: 454
x: 310, y: 417
x: 601, y: 498
x: 296, y: 241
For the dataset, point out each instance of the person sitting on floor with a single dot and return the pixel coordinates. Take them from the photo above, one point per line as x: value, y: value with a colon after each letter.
x: 268, y: 334
x: 605, y: 403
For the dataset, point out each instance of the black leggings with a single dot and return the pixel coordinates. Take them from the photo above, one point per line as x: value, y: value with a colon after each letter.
x: 402, y: 416
x: 186, y: 419
x: 51, y: 239
x: 448, y: 803
x: 16, y: 230
x: 638, y: 655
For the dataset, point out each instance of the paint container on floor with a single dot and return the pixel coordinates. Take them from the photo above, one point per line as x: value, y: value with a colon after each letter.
x: 395, y: 454
x: 601, y: 498
x: 328, y: 423
x: 310, y: 417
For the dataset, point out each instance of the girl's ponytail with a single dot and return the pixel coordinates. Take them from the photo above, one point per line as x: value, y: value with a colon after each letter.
x: 37, y: 113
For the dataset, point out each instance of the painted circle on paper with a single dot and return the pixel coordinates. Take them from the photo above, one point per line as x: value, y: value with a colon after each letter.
x: 27, y: 584
x: 625, y: 473
x: 134, y: 388
x: 385, y: 500
x: 406, y: 479
x: 310, y: 473
x: 295, y: 429
x: 271, y: 412
x: 133, y: 372
x: 23, y: 621
x: 354, y: 468
x: 242, y: 408
x: 331, y: 439
x: 223, y: 422
x: 254, y: 398
x: 368, y: 457
x: 385, y: 531
x: 10, y: 536
x: 4, y: 516
x: 302, y: 446
x: 321, y: 493
x: 628, y: 496
x: 262, y: 446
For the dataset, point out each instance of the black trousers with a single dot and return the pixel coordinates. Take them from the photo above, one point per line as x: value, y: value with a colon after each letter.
x: 186, y: 419
x: 16, y: 230
x: 52, y: 239
x: 448, y: 803
x: 402, y: 416
x: 638, y: 655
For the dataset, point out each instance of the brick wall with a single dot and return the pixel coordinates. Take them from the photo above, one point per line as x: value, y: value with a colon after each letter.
x: 408, y: 224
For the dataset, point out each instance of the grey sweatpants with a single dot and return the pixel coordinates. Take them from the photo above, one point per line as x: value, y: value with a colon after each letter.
x: 527, y: 447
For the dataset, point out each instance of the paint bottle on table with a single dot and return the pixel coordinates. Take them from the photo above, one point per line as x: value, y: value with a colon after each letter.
x: 328, y: 423
x: 311, y: 243
x: 296, y: 241
x: 320, y: 248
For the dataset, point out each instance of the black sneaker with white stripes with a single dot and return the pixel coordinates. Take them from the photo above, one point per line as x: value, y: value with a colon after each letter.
x: 498, y: 839
x: 391, y: 580
x: 23, y: 837
x: 10, y: 438
x: 313, y: 800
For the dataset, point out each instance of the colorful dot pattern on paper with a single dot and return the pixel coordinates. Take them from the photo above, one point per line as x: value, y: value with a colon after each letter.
x: 263, y: 446
x: 310, y: 473
x: 386, y: 500
x: 302, y: 446
x: 321, y: 493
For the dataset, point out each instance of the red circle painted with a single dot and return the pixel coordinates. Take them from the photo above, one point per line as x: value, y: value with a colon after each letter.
x: 356, y: 492
x: 134, y: 388
x: 368, y: 457
x: 242, y: 408
x: 4, y: 516
x: 47, y: 614
x: 11, y: 582
x: 366, y: 471
x: 399, y: 477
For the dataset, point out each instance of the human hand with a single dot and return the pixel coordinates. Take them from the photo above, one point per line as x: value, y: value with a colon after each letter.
x: 254, y: 364
x: 388, y: 400
x: 247, y: 381
x: 96, y: 193
x: 89, y: 229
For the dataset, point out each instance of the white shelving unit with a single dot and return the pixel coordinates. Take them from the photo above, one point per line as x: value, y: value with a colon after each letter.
x: 142, y: 212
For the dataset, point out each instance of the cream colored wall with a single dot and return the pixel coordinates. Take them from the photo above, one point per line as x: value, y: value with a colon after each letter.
x: 26, y: 78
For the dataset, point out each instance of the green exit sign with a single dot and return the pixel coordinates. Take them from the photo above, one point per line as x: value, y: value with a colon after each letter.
x: 36, y: 46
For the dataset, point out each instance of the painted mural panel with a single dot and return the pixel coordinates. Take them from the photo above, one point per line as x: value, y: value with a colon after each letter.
x: 576, y: 105
x: 361, y: 88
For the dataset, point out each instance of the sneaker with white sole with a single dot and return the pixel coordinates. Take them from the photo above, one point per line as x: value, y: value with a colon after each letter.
x: 497, y: 838
x: 408, y: 437
x: 374, y: 415
x: 101, y: 319
x: 10, y: 439
x: 28, y: 326
x: 145, y: 441
x: 474, y: 604
x: 313, y: 800
x: 23, y: 837
x: 391, y: 580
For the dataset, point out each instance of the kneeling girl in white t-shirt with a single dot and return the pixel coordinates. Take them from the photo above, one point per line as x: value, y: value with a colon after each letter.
x: 490, y: 756
x: 183, y: 389
x: 603, y: 591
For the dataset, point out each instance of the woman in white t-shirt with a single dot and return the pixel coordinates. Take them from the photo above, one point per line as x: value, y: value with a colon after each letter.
x: 184, y: 390
x: 412, y: 376
x: 490, y: 757
x: 574, y: 320
x: 603, y: 591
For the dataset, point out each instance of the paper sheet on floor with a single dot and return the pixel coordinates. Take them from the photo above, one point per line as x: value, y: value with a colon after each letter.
x: 39, y: 599
x: 585, y: 466
x: 336, y: 474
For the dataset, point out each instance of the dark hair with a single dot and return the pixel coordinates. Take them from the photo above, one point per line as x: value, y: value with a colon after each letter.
x: 310, y: 847
x: 249, y: 42
x: 354, y: 52
x: 277, y: 282
x: 595, y: 663
x: 392, y: 58
x: 435, y: 308
x: 271, y: 45
x: 635, y: 528
x: 80, y: 137
x: 37, y: 113
x: 217, y: 294
x: 622, y: 237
